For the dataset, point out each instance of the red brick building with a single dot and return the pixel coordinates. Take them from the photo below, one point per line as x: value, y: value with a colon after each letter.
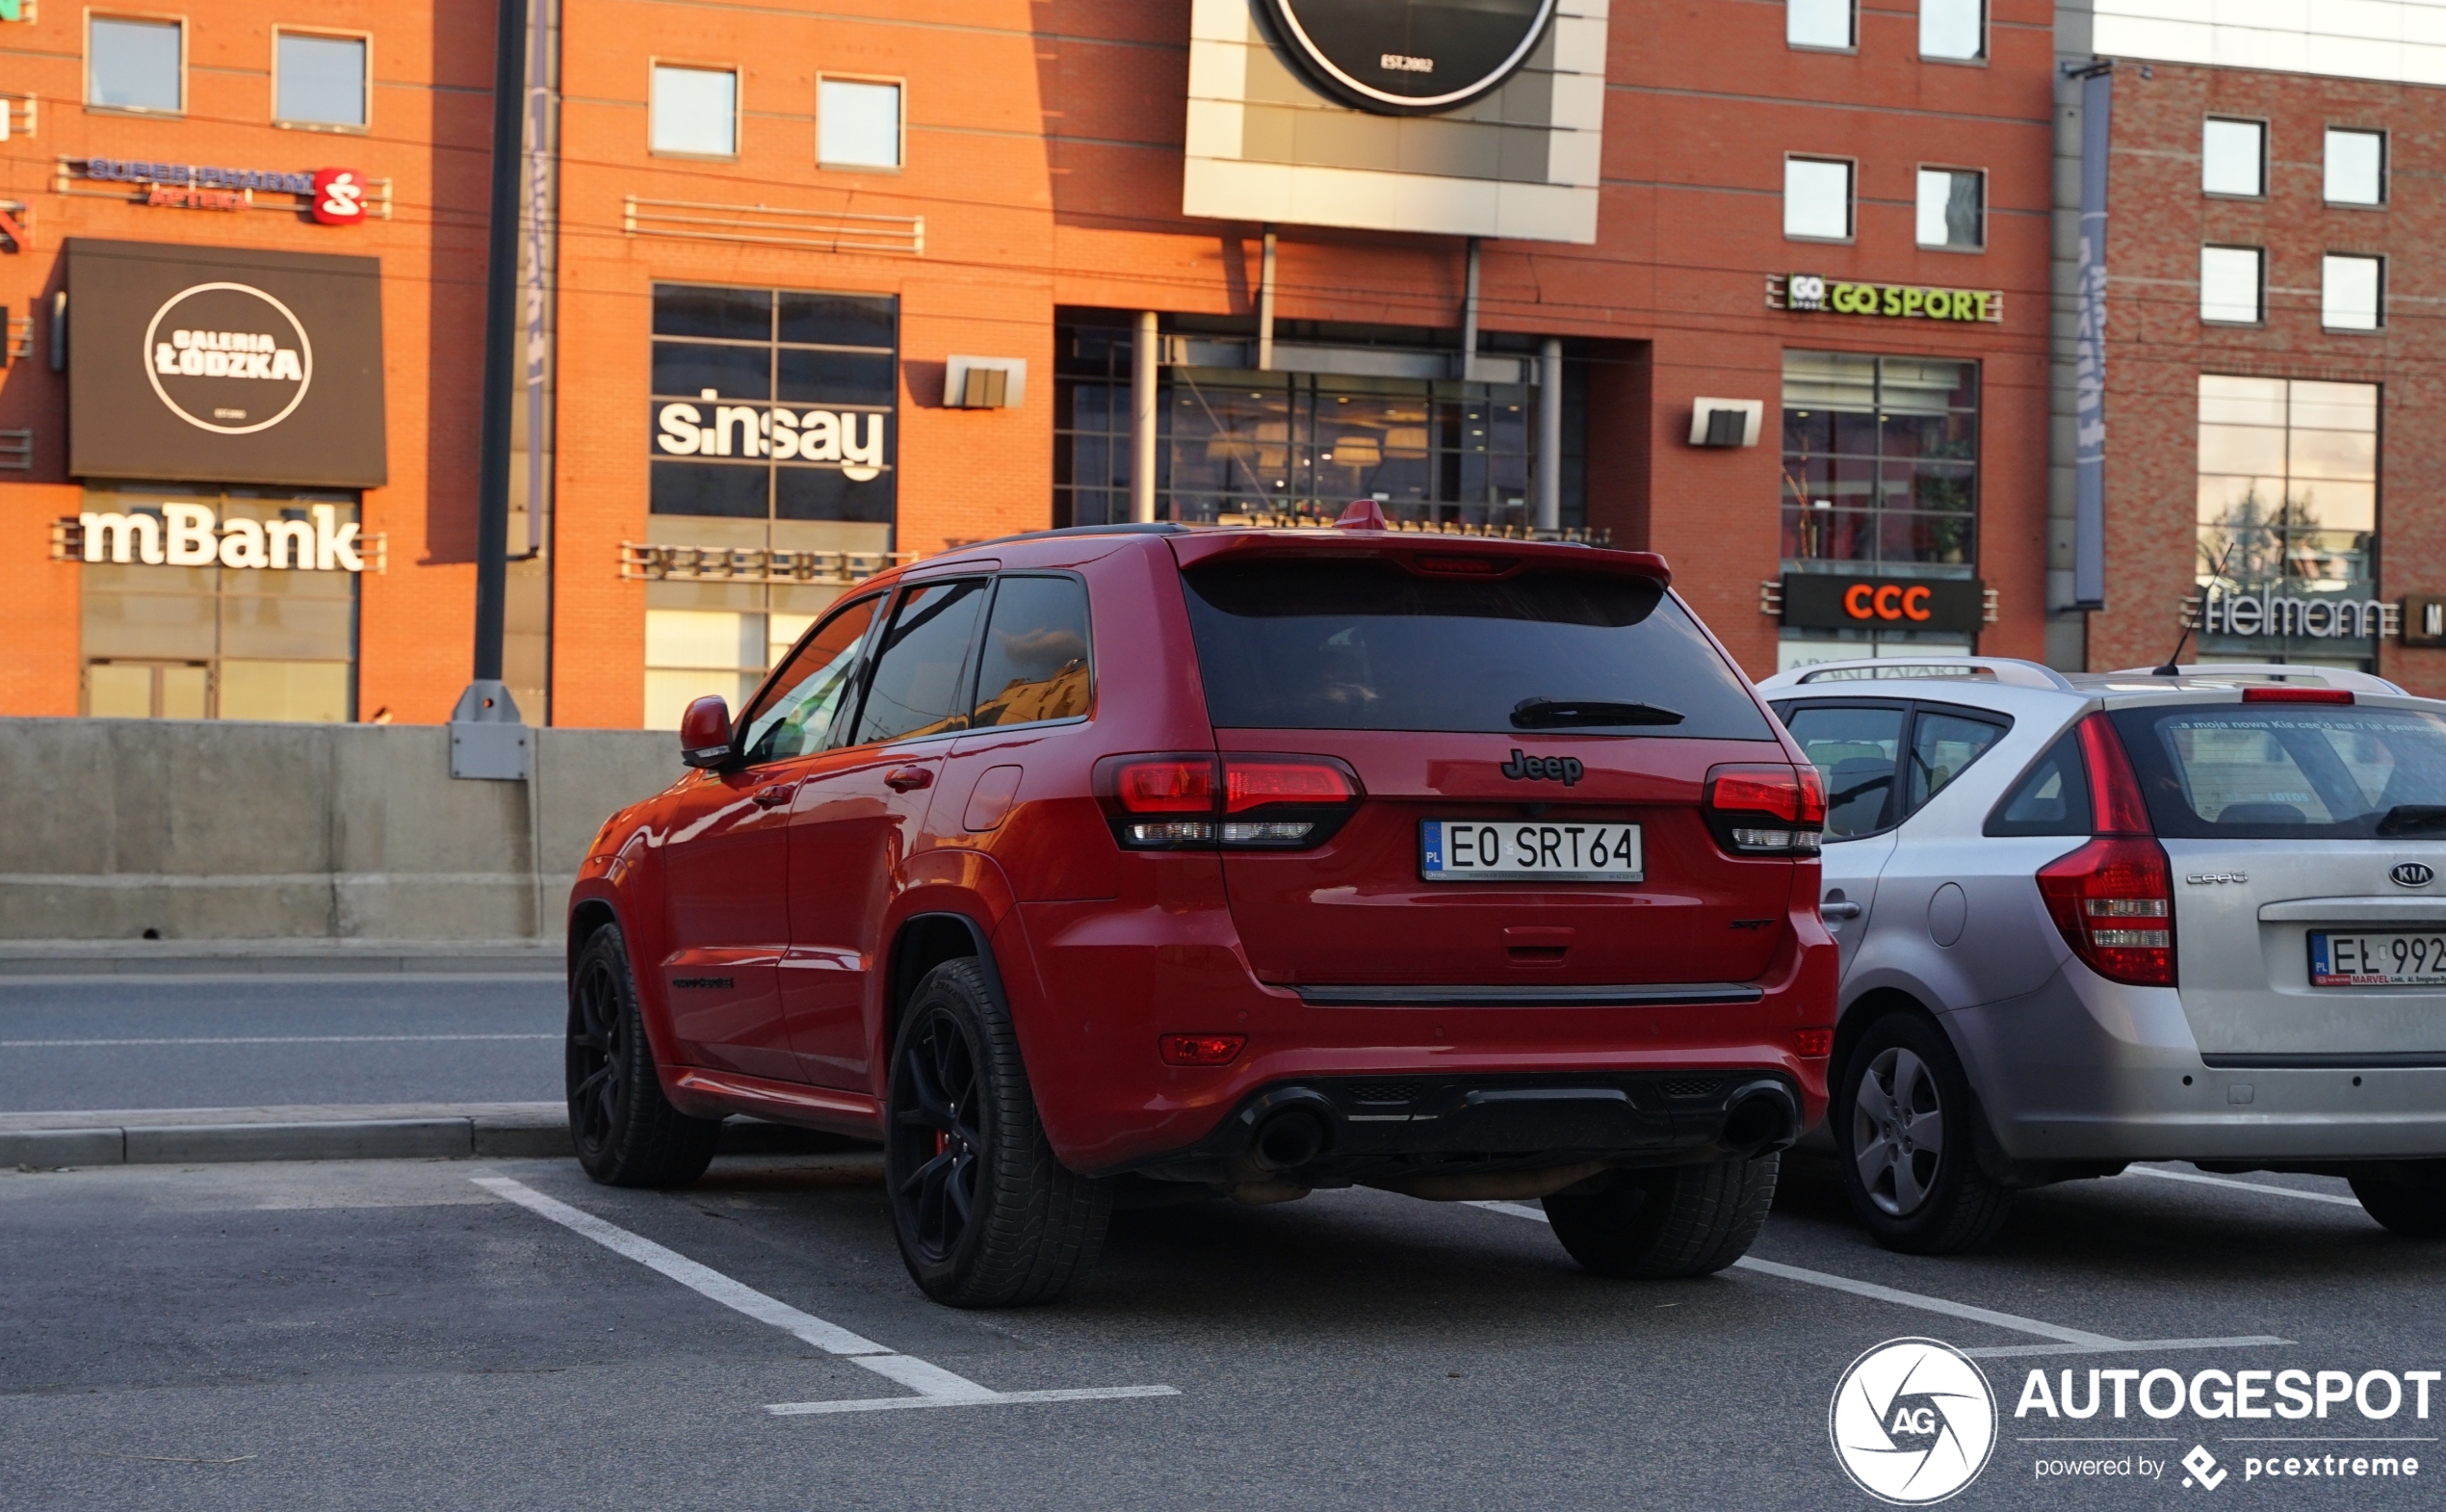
x: 819, y: 287
x: 2272, y: 377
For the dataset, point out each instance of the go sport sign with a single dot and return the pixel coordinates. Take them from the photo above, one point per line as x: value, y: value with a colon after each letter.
x: 194, y: 364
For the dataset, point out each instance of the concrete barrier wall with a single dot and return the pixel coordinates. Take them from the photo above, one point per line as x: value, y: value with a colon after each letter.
x: 215, y: 829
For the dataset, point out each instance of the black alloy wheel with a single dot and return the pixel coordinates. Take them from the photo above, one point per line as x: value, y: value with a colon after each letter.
x: 627, y: 1132
x: 985, y: 1212
x: 598, y: 1054
x: 938, y: 1136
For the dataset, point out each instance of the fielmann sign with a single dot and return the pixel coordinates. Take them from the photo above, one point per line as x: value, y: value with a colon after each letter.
x: 224, y: 365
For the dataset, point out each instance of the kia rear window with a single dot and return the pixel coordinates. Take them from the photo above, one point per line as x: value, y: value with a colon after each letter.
x: 2276, y: 772
x: 1364, y: 645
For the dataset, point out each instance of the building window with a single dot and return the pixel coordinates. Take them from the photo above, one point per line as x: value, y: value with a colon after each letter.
x: 696, y: 111
x: 2232, y: 285
x: 692, y: 652
x: 2356, y: 167
x: 2288, y: 484
x: 236, y: 605
x: 1820, y: 23
x: 1881, y: 462
x: 319, y: 81
x: 2234, y: 157
x: 857, y: 123
x: 1817, y: 199
x: 134, y: 64
x: 1956, y: 30
x: 780, y: 401
x: 1238, y: 447
x: 2352, y: 292
x: 1953, y: 208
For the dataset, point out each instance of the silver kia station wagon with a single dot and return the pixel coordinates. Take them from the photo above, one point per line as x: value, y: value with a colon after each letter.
x: 2093, y: 919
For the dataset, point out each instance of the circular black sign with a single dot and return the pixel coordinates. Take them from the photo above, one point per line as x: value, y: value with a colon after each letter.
x: 1408, y: 56
x: 229, y: 358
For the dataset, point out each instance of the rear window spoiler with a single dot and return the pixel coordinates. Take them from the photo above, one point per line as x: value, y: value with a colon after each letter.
x: 2240, y: 674
x: 1200, y: 547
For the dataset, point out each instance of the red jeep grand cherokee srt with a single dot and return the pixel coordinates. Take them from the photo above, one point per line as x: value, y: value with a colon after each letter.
x: 1123, y: 862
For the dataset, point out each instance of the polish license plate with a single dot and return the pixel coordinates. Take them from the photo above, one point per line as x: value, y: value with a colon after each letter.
x: 2389, y: 959
x: 1469, y: 850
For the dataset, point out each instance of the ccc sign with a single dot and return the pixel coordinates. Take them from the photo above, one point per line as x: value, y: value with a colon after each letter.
x: 1826, y: 601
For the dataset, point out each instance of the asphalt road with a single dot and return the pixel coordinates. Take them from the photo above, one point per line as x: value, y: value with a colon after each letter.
x: 399, y: 1336
x: 238, y: 1042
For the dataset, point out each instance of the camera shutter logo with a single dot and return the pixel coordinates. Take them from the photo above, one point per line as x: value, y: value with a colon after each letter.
x: 1912, y: 1422
x: 229, y: 358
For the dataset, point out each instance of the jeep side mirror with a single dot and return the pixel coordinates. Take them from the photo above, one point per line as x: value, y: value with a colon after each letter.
x: 705, y: 731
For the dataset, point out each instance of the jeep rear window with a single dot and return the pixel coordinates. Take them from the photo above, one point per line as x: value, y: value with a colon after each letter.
x: 2278, y: 771
x: 1364, y: 645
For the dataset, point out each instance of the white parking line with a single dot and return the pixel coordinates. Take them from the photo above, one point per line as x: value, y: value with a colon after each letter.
x: 263, y: 1039
x: 2069, y: 1341
x: 2252, y: 1187
x: 935, y: 1386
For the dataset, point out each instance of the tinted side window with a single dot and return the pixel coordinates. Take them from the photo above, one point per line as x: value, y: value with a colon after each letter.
x: 2051, y: 799
x: 1942, y: 746
x: 920, y: 684
x: 1856, y: 751
x: 1032, y: 665
x: 798, y: 713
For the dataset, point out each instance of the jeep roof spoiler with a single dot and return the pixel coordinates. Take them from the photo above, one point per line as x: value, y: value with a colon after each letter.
x: 2010, y: 671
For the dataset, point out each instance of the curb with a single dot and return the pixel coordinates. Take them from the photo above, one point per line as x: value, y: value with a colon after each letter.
x: 296, y: 957
x: 513, y: 1137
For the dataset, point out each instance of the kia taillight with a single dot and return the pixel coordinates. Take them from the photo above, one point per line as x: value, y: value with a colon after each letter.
x: 1764, y: 810
x: 2114, y: 899
x: 1194, y: 802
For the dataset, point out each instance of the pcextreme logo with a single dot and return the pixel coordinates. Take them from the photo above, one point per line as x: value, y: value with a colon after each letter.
x: 1912, y: 1422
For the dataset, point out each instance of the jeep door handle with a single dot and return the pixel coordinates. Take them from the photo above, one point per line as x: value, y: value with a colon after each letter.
x: 1838, y: 910
x: 773, y: 796
x: 907, y: 779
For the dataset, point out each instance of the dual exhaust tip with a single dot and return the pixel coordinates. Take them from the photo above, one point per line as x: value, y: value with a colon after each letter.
x: 1760, y: 1117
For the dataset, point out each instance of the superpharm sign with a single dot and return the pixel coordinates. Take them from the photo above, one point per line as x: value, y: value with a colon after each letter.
x: 224, y: 366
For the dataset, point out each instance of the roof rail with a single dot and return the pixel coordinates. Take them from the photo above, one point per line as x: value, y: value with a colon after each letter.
x: 2012, y: 671
x: 2279, y: 672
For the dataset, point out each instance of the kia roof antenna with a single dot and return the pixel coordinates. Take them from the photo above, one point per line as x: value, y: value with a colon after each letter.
x: 2173, y: 666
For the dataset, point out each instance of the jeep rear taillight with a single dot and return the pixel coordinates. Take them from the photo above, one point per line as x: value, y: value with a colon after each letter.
x: 1242, y: 802
x: 2114, y: 899
x: 1766, y: 810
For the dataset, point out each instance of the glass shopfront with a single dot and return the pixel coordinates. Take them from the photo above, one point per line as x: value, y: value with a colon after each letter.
x: 774, y: 433
x: 1881, y: 476
x: 228, y: 604
x: 1236, y: 445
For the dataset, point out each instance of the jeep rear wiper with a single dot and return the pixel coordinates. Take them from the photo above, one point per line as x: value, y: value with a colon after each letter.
x: 1563, y: 713
x: 2413, y: 819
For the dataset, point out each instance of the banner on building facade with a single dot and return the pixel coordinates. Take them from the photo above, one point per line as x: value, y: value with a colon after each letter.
x: 194, y: 364
x: 2089, y: 356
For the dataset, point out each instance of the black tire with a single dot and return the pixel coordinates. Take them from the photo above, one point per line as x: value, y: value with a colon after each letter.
x: 626, y: 1131
x: 986, y: 1216
x: 1905, y: 1124
x: 1669, y: 1221
x: 2407, y: 1196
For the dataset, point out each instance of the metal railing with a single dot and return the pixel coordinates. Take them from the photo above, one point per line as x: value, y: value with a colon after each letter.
x: 775, y: 225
